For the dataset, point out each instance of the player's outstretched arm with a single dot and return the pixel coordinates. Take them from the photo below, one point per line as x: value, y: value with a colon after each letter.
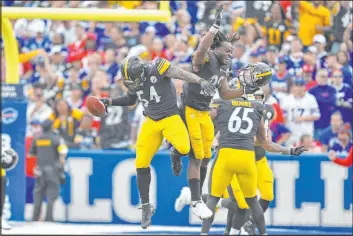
x: 227, y: 93
x: 274, y: 147
x: 177, y: 73
x: 128, y: 99
x: 207, y: 40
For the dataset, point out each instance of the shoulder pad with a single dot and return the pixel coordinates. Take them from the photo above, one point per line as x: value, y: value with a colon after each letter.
x: 162, y: 65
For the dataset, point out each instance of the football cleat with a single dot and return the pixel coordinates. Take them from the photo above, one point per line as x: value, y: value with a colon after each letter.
x: 4, y: 225
x: 183, y: 199
x: 200, y: 209
x: 249, y: 228
x: 147, y: 212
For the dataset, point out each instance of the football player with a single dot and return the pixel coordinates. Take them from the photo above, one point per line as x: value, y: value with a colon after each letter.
x: 211, y: 61
x: 239, y: 121
x: 151, y: 83
x: 9, y: 159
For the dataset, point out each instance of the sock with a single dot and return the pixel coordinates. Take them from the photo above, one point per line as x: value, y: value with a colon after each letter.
x: 194, y: 185
x: 203, y: 172
x: 234, y: 231
x: 230, y: 216
x: 264, y: 204
x: 143, y: 183
x: 257, y: 214
x: 2, y: 193
x: 239, y: 219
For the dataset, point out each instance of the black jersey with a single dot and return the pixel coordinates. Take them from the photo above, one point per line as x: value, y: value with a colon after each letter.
x: 211, y: 71
x: 158, y: 95
x: 238, y: 121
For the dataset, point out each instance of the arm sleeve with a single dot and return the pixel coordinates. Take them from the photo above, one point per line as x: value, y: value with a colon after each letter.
x: 128, y: 99
x: 345, y: 161
x: 33, y: 149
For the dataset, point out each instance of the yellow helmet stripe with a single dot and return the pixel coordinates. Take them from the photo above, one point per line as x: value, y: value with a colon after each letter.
x: 125, y: 68
x: 264, y: 74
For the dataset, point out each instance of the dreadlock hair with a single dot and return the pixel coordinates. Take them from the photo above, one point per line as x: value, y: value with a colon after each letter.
x: 220, y: 37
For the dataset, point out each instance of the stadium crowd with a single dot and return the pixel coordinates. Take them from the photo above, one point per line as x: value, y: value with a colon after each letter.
x: 308, y: 44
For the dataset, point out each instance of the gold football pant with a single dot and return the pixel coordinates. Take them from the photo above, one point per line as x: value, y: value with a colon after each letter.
x: 201, y: 132
x: 233, y: 163
x: 151, y: 136
x: 264, y: 184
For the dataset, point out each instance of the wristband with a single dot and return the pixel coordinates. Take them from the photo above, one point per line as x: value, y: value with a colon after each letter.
x: 214, y: 29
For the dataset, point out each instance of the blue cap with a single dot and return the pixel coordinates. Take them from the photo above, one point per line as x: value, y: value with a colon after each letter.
x: 281, y: 60
x: 35, y: 122
x: 299, y: 81
x: 254, y: 54
x: 262, y: 50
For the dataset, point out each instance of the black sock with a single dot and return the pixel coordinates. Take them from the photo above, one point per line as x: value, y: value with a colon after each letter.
x: 230, y: 216
x: 203, y: 172
x: 194, y: 185
x: 143, y: 182
x: 204, y: 197
x: 264, y: 204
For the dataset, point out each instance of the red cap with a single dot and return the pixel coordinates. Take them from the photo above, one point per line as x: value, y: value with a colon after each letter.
x: 308, y: 68
x: 91, y: 36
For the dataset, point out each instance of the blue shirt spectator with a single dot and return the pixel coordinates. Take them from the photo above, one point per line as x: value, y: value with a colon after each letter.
x: 332, y: 131
x: 326, y: 99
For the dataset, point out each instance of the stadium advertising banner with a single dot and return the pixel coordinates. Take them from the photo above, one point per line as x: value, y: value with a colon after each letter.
x: 310, y: 192
x: 13, y: 131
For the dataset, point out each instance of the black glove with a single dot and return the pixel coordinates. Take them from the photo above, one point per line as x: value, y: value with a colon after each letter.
x: 106, y: 102
x: 207, y: 87
x: 297, y: 151
x: 250, y: 90
x: 218, y: 16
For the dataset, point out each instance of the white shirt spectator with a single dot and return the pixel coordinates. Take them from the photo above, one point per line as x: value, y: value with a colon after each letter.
x: 41, y: 114
x: 294, y: 107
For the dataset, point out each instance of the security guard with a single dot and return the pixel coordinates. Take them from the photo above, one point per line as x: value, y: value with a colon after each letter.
x: 50, y: 150
x: 9, y: 159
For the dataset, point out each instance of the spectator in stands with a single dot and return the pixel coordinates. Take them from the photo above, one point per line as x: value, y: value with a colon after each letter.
x: 133, y: 35
x: 314, y: 18
x: 111, y: 66
x: 280, y: 79
x: 280, y: 133
x: 40, y: 39
x: 326, y: 98
x: 239, y: 58
x: 332, y: 131
x: 66, y: 121
x: 58, y: 60
x: 295, y: 60
x: 342, y: 58
x: 340, y: 23
x: 320, y: 44
x: 347, y: 161
x: 308, y: 71
x: 301, y: 110
x: 343, y: 96
x: 75, y: 100
x: 86, y: 138
x: 37, y: 109
x: 271, y: 56
x: 333, y: 64
x: 343, y: 142
x: 308, y: 142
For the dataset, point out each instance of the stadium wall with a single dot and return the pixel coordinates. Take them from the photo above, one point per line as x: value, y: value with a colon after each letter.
x: 310, y: 192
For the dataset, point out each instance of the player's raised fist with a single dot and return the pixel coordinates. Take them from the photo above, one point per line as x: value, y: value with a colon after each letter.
x: 218, y: 15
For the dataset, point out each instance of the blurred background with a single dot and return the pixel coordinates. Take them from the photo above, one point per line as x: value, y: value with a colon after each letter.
x: 307, y: 43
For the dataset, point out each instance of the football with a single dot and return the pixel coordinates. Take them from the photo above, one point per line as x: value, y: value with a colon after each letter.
x: 95, y: 106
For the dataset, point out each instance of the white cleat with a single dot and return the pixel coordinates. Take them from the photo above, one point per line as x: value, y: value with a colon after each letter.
x: 183, y: 199
x: 201, y: 210
x: 5, y: 225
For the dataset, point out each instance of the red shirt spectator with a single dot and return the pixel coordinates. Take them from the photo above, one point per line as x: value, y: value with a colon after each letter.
x: 342, y: 161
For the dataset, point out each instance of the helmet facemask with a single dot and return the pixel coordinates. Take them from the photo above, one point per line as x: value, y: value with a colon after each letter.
x: 247, y: 77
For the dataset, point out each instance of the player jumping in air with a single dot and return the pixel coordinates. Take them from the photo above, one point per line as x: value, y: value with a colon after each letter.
x: 211, y: 61
x: 239, y: 121
x: 151, y: 83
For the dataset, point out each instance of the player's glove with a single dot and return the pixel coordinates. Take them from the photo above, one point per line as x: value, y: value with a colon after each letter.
x: 207, y: 87
x: 297, y: 151
x: 106, y: 102
x: 218, y: 16
x: 250, y: 90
